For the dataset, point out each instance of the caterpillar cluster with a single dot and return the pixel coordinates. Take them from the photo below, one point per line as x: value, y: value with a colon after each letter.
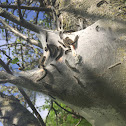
x: 57, y: 52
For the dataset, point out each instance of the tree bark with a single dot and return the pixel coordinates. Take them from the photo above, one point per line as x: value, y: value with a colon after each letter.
x: 93, y: 83
x: 13, y: 113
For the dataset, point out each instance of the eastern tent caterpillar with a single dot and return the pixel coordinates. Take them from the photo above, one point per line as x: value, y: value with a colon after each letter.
x: 72, y: 68
x: 75, y: 42
x: 53, y: 50
x: 42, y: 61
x: 60, y: 53
x: 56, y: 68
x: 45, y: 73
x: 67, y: 51
x: 79, y: 82
x: 62, y: 44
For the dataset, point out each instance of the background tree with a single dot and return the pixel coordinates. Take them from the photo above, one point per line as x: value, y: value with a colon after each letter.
x: 84, y: 69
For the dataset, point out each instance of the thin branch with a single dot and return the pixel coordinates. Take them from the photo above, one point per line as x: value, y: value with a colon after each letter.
x: 52, y: 108
x: 6, y: 31
x: 19, y: 10
x: 49, y: 111
x: 7, y: 56
x: 5, y: 66
x: 22, y: 57
x: 66, y: 109
x: 12, y: 44
x: 31, y: 41
x: 17, y: 20
x: 36, y: 19
x: 15, y: 44
x: 48, y: 9
x: 114, y: 65
x: 56, y: 115
x: 9, y: 61
x: 79, y: 122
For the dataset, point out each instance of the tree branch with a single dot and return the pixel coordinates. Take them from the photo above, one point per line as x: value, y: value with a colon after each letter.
x: 20, y: 81
x: 51, y: 106
x: 19, y: 10
x: 48, y: 9
x: 5, y: 66
x: 66, y: 110
x: 31, y: 41
x: 79, y: 122
x: 17, y: 20
x: 8, y: 56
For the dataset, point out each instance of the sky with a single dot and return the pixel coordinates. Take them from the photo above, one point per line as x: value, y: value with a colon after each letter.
x: 1, y: 124
x: 40, y: 99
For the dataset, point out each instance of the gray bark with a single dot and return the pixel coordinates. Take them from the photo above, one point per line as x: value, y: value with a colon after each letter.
x: 13, y: 113
x: 93, y: 83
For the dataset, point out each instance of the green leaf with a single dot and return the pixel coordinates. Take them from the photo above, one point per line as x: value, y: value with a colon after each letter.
x: 4, y: 3
x: 2, y: 30
x: 36, y: 51
x: 18, y: 40
x: 15, y: 61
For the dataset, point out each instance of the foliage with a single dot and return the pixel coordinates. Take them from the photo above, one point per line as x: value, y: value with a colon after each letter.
x: 59, y: 117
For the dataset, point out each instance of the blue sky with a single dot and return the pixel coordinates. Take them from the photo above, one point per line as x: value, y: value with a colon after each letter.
x: 1, y: 124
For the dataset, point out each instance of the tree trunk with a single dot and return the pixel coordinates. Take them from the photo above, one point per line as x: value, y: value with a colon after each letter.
x: 91, y: 79
x: 13, y: 113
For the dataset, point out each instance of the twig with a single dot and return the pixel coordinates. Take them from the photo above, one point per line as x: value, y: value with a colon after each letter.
x: 8, y: 56
x: 49, y: 111
x: 6, y: 32
x: 56, y: 115
x: 15, y: 44
x: 48, y: 9
x: 79, y: 122
x: 5, y: 66
x: 19, y: 10
x: 22, y: 57
x: 66, y: 109
x: 31, y: 41
x: 114, y: 65
x: 36, y: 19
x: 9, y: 61
x: 17, y: 20
x: 11, y: 44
